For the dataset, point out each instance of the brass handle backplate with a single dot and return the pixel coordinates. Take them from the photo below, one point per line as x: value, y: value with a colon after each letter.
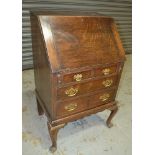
x: 71, y: 107
x: 104, y: 97
x: 71, y: 91
x: 106, y: 71
x: 107, y: 83
x: 78, y: 77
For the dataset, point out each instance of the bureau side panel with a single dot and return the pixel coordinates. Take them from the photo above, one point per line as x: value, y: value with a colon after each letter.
x: 42, y: 71
x: 119, y: 71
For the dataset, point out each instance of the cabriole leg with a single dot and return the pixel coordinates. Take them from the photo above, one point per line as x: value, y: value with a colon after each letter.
x: 113, y: 110
x: 53, y: 131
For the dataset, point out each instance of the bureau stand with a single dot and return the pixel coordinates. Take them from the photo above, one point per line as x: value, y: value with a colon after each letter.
x: 78, y: 61
x: 54, y: 128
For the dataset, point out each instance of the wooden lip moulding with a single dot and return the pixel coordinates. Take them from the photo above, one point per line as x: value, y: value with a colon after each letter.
x: 78, y: 62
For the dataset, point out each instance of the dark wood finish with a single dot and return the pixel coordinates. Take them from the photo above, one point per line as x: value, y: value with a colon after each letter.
x: 42, y: 70
x: 80, y: 104
x: 113, y: 110
x: 53, y: 131
x: 67, y: 78
x: 99, y: 70
x: 78, y: 62
x: 94, y: 100
x: 87, y: 87
x: 83, y: 103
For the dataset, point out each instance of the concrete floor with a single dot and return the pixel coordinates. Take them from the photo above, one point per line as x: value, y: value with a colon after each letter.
x: 88, y: 136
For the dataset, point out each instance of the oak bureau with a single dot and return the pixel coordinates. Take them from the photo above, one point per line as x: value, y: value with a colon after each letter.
x: 78, y: 62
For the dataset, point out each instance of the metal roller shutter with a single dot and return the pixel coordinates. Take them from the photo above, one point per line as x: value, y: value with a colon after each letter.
x: 120, y: 10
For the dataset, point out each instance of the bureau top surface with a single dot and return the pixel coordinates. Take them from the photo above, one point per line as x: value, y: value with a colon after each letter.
x: 80, y: 41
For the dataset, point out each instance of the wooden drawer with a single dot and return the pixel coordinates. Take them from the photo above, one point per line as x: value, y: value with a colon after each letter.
x: 101, y: 98
x: 67, y: 108
x: 95, y: 72
x: 104, y: 71
x: 76, y: 77
x: 87, y: 87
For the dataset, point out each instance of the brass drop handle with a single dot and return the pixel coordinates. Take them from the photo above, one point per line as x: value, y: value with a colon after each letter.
x: 104, y: 97
x: 78, y: 77
x: 107, y: 83
x: 71, y: 107
x: 71, y: 92
x: 106, y: 71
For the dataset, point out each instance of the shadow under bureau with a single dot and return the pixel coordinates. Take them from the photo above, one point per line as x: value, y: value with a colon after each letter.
x: 78, y: 62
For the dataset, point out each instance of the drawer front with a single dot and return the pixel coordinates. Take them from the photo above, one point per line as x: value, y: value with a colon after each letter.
x: 67, y: 108
x: 76, y: 77
x: 87, y: 87
x: 104, y: 71
x: 102, y: 98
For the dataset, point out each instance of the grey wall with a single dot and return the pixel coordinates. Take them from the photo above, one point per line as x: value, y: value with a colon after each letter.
x: 120, y: 10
